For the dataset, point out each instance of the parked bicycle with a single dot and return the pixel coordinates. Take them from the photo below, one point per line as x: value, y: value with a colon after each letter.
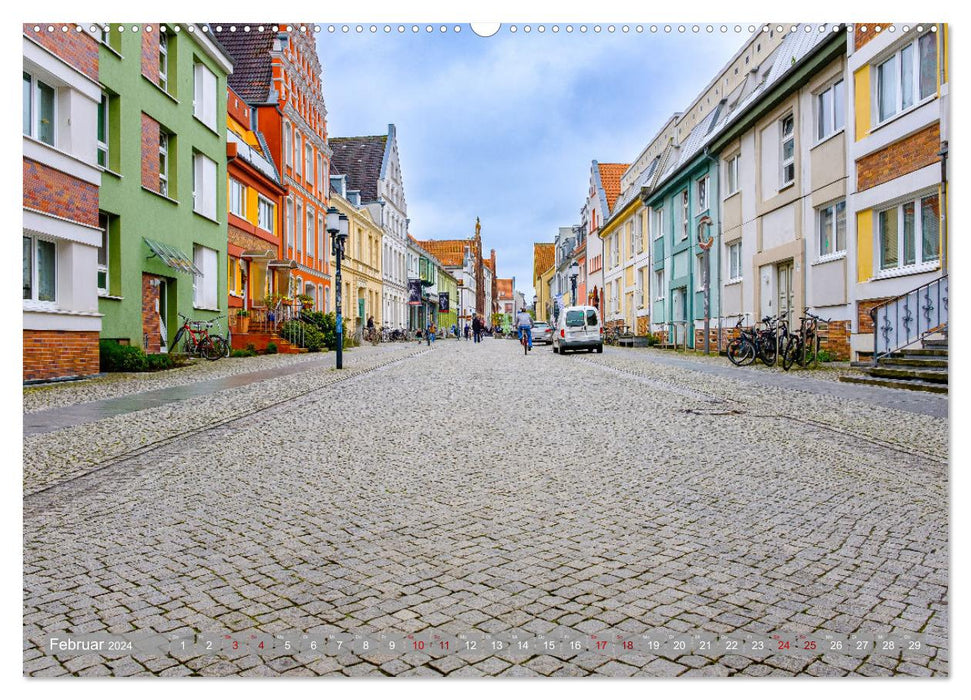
x: 757, y: 343
x: 802, y: 347
x: 197, y: 340
x: 372, y: 335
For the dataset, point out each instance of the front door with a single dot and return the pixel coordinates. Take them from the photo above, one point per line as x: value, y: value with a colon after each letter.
x: 162, y: 309
x: 679, y: 314
x: 784, y: 290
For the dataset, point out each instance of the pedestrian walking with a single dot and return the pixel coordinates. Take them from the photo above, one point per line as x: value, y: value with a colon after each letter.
x: 476, y: 329
x: 430, y: 334
x: 466, y: 330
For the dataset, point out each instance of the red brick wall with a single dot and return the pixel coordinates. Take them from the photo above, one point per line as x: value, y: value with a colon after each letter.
x: 150, y: 170
x: 860, y: 37
x: 150, y: 53
x: 643, y: 325
x: 837, y: 339
x: 60, y: 194
x: 912, y: 153
x: 151, y: 330
x: 60, y: 354
x: 78, y: 49
x: 864, y: 322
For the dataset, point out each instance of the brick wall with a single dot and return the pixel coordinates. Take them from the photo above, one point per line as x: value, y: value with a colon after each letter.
x: 905, y: 156
x: 78, y: 49
x: 864, y: 322
x: 837, y: 340
x: 151, y: 329
x: 150, y: 165
x: 643, y: 325
x: 861, y: 37
x: 150, y: 53
x: 60, y: 194
x: 60, y: 354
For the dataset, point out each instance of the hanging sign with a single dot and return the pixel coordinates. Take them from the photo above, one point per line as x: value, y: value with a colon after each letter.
x: 414, y: 292
x: 443, y: 302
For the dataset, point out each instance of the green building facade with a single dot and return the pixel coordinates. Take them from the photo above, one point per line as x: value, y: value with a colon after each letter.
x: 446, y: 283
x: 163, y: 200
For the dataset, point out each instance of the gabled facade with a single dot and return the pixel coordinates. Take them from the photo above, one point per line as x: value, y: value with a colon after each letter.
x: 602, y: 192
x: 897, y: 136
x: 372, y: 167
x: 278, y: 74
x: 65, y: 149
x: 506, y: 303
x: 543, y: 263
x: 164, y: 183
x: 462, y: 258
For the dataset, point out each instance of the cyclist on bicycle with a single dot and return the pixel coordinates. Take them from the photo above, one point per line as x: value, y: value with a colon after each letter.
x: 524, y: 324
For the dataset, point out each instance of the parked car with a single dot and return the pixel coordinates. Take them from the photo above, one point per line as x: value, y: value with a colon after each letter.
x: 542, y: 333
x: 578, y: 328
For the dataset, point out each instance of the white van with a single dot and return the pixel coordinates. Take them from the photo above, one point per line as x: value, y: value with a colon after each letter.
x: 578, y: 328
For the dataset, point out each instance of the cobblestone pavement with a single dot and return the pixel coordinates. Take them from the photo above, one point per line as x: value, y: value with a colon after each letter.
x: 581, y: 495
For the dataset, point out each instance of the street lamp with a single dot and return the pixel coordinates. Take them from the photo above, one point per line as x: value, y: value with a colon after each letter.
x: 337, y: 227
x: 574, y: 273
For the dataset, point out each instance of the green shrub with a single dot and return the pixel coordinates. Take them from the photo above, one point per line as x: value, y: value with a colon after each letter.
x: 155, y: 363
x: 652, y: 340
x: 304, y: 335
x: 271, y: 348
x: 243, y: 353
x: 826, y: 356
x: 250, y: 348
x: 115, y: 357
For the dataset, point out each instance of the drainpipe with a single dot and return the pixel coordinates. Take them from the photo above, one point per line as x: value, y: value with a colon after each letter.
x: 718, y: 246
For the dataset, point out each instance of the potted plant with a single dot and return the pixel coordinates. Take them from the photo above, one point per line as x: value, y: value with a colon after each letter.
x: 306, y: 301
x: 242, y: 321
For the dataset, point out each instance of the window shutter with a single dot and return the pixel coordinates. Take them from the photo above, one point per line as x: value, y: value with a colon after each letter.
x: 197, y: 183
x: 197, y: 279
x: 209, y: 187
x: 210, y: 97
x: 198, y: 95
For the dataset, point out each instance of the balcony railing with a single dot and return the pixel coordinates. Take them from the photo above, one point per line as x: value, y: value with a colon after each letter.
x: 910, y: 317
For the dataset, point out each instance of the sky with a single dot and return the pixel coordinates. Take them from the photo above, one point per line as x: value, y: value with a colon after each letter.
x: 505, y: 127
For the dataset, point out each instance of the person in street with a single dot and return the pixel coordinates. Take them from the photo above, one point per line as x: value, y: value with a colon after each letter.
x: 524, y: 324
x: 466, y: 330
x: 370, y: 323
x: 430, y: 334
x: 476, y: 329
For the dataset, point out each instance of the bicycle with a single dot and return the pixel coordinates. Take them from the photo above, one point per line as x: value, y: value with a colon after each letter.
x: 198, y: 341
x: 524, y: 339
x: 755, y: 343
x: 803, y: 347
x: 372, y: 335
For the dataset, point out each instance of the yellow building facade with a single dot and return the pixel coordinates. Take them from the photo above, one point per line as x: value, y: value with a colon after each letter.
x: 361, y: 264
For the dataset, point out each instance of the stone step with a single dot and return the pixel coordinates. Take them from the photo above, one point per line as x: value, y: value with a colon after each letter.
x: 936, y: 343
x: 920, y: 352
x: 912, y: 385
x: 927, y: 375
x: 260, y: 340
x: 918, y: 361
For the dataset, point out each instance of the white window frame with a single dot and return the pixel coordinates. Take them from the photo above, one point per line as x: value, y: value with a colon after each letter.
x: 287, y: 143
x: 163, y: 162
x: 288, y: 221
x: 204, y: 189
x: 103, y: 152
x: 898, y: 68
x: 205, y: 287
x: 831, y: 118
x: 734, y: 258
x: 731, y: 174
x: 703, y: 192
x: 34, y: 301
x: 104, y: 223
x: 833, y: 232
x: 657, y: 222
x: 699, y: 271
x: 783, y: 161
x: 297, y: 153
x: 311, y: 233
x: 919, y: 263
x: 320, y: 173
x: 205, y: 95
x: 299, y: 227
x: 685, y: 214
x: 237, y: 198
x: 265, y: 213
x: 659, y: 280
x: 163, y: 60
x: 34, y: 107
x: 322, y: 251
x: 308, y: 150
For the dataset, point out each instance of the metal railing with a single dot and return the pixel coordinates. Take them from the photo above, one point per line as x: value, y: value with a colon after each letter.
x: 909, y: 318
x: 673, y: 334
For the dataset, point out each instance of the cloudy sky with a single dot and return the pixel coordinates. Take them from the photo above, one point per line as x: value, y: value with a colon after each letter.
x: 504, y: 127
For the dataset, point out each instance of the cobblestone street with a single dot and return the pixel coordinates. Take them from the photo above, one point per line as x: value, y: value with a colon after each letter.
x: 465, y: 489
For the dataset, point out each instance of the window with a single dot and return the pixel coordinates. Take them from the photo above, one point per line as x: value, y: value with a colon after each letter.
x: 311, y: 235
x: 288, y: 224
x: 642, y: 280
x: 914, y: 65
x: 631, y: 232
x: 659, y: 285
x: 700, y: 271
x: 39, y: 269
x: 287, y: 144
x: 204, y: 286
x: 909, y: 233
x: 731, y: 174
x: 237, y: 198
x: 703, y: 194
x: 832, y: 228
x: 658, y: 222
x: 204, y: 186
x: 103, y: 131
x: 205, y: 96
x: 684, y: 215
x: 265, y: 213
x: 39, y: 109
x: 235, y: 276
x: 163, y: 60
x: 734, y: 261
x: 323, y: 241
x: 643, y: 236
x: 320, y: 172
x: 163, y: 163
x: 830, y: 110
x: 309, y: 151
x: 297, y: 154
x: 299, y: 227
x: 788, y: 151
x: 103, y: 224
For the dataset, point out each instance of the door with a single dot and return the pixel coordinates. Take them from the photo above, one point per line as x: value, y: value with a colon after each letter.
x: 679, y: 314
x: 784, y: 290
x: 161, y: 307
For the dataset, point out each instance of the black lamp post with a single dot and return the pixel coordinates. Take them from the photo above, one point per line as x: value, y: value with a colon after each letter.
x: 574, y: 273
x: 337, y: 227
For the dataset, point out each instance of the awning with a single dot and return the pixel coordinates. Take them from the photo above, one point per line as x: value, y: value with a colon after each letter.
x: 172, y: 256
x: 286, y: 264
x: 257, y: 254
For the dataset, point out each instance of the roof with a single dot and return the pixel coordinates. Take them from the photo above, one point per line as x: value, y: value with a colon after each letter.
x: 361, y: 159
x: 643, y: 180
x: 449, y: 253
x: 489, y: 263
x: 504, y: 287
x: 252, y: 74
x: 544, y: 255
x: 610, y: 174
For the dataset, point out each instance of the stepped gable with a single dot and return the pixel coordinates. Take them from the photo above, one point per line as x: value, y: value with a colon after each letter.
x: 544, y: 255
x: 610, y: 174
